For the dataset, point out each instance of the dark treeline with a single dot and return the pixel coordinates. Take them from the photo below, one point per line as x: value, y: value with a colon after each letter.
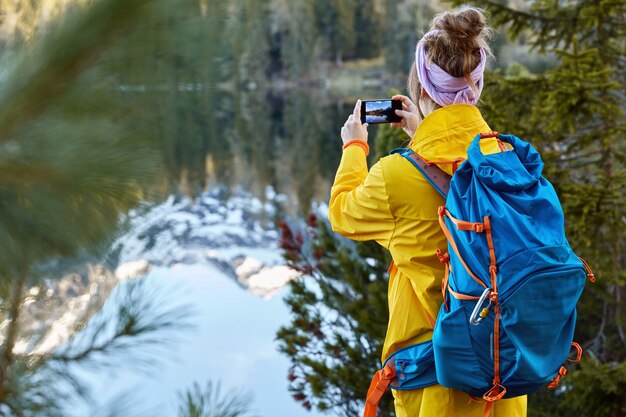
x: 218, y: 84
x: 200, y: 76
x: 270, y: 39
x: 226, y: 85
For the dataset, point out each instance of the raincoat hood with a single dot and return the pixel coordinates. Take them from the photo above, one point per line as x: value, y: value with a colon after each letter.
x: 444, y: 135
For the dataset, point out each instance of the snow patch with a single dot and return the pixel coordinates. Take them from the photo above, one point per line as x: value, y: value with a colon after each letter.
x: 134, y: 269
x: 269, y: 281
x: 237, y: 234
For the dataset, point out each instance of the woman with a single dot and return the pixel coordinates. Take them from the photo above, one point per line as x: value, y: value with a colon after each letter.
x: 395, y: 205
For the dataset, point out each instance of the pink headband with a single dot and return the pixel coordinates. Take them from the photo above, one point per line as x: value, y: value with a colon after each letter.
x: 443, y: 88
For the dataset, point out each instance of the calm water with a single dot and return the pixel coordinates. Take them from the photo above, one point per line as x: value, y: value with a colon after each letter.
x: 288, y: 143
x: 288, y: 140
x: 231, y: 341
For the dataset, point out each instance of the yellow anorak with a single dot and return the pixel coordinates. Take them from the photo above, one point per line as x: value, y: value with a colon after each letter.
x: 396, y: 206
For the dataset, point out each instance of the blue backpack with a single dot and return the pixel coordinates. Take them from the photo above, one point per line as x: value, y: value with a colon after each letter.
x: 511, y: 283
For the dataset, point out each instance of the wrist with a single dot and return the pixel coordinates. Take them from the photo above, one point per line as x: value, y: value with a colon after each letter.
x: 357, y: 142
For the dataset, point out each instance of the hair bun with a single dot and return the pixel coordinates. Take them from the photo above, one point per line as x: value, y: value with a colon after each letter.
x: 461, y: 33
x: 465, y: 29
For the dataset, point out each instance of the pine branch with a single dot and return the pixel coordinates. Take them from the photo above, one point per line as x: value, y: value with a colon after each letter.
x: 44, y: 72
x: 509, y: 13
x: 103, y: 347
x: 209, y: 402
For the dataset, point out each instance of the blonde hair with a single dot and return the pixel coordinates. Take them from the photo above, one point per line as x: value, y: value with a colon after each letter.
x: 455, y: 47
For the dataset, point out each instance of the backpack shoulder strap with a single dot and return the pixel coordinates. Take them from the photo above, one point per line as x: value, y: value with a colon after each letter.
x: 435, y: 175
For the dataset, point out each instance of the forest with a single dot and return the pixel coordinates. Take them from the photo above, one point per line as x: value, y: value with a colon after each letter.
x: 110, y: 105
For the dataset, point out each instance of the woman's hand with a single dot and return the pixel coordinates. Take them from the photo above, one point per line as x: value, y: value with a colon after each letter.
x: 353, y: 128
x: 411, y: 118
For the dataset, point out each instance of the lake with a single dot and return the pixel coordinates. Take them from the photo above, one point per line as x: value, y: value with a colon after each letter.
x: 215, y: 241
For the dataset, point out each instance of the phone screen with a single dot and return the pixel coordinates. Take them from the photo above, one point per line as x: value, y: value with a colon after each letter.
x: 380, y: 111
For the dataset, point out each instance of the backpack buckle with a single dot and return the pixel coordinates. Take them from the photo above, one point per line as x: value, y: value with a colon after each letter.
x: 444, y: 258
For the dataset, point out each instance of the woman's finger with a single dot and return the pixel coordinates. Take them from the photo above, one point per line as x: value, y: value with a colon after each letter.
x: 405, y: 102
x: 403, y: 99
x: 404, y: 114
x: 357, y: 110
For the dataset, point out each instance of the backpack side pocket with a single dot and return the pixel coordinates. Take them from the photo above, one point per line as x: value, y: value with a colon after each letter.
x: 455, y: 357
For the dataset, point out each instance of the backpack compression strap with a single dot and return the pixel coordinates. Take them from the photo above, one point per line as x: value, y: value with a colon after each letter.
x: 378, y: 386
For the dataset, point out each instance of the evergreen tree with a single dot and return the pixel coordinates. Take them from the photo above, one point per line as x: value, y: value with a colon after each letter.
x: 294, y: 26
x: 403, y: 23
x: 339, y: 318
x: 345, y: 31
x: 368, y: 23
x: 169, y: 64
x: 574, y: 113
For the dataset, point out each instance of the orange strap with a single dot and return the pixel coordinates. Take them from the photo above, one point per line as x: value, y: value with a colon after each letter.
x: 496, y: 347
x: 562, y: 370
x: 579, y: 353
x: 430, y: 318
x: 463, y: 225
x: 495, y: 393
x: 487, y: 411
x: 590, y: 273
x: 444, y: 258
x: 503, y: 147
x: 455, y: 166
x: 471, y: 399
x: 377, y: 388
x: 460, y: 296
x: 555, y: 381
x: 488, y: 404
x: 442, y: 223
x: 444, y: 287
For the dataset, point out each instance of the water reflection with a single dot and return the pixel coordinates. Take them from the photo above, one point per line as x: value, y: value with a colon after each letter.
x: 287, y: 140
x: 232, y: 341
x: 235, y: 233
x: 218, y: 255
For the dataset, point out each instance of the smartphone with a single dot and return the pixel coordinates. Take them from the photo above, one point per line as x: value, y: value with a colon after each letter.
x: 380, y: 111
